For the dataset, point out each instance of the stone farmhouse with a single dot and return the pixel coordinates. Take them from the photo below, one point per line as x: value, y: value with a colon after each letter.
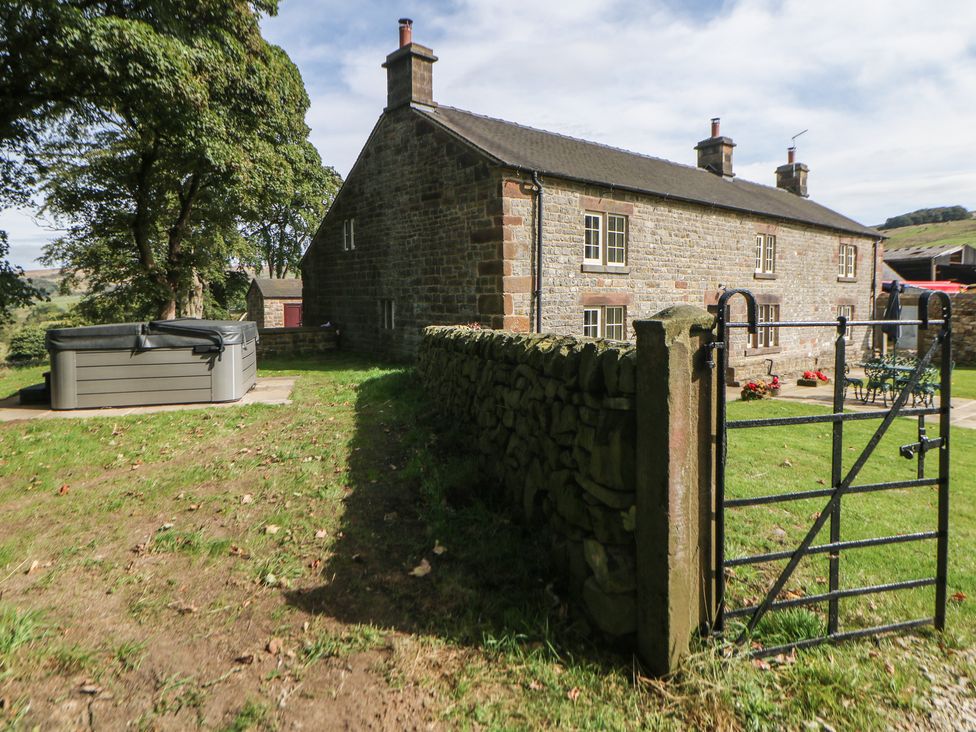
x: 451, y: 217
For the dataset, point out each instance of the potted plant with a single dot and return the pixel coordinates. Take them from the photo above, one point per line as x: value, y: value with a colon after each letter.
x: 760, y: 389
x: 812, y: 378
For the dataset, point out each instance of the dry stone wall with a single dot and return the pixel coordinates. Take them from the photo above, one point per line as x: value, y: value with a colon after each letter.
x: 556, y: 423
x: 295, y: 341
x: 963, y: 327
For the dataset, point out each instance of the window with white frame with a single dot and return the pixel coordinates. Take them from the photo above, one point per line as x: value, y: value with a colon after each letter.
x: 604, y: 239
x: 387, y: 314
x: 766, y: 336
x: 348, y: 235
x: 847, y: 311
x: 765, y: 254
x: 848, y: 261
x: 605, y: 321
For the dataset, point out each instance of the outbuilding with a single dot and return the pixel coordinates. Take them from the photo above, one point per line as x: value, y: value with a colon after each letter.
x: 275, y: 303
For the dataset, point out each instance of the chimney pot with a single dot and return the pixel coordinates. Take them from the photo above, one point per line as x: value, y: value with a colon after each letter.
x: 409, y: 80
x: 792, y: 177
x: 406, y: 32
x: 715, y: 152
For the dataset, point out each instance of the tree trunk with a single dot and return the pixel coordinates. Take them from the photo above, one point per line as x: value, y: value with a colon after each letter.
x: 167, y: 311
x: 191, y: 299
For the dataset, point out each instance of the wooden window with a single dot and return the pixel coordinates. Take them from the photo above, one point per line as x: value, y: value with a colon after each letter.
x: 847, y: 311
x: 387, y: 311
x: 605, y: 321
x: 847, y: 261
x: 591, y: 322
x: 614, y: 319
x: 348, y: 235
x: 592, y: 238
x: 604, y: 239
x: 766, y: 336
x: 765, y: 253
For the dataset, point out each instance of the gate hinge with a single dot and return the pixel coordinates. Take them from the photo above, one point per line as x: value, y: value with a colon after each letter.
x: 710, y: 360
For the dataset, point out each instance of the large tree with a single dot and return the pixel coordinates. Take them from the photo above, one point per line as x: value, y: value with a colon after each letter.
x: 174, y: 120
x: 288, y: 208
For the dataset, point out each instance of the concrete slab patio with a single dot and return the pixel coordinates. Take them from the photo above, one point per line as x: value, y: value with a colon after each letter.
x: 267, y: 390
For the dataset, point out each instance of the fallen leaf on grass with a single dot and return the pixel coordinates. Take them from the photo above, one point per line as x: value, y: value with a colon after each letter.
x: 760, y: 664
x: 238, y: 552
x: 271, y: 529
x: 36, y: 565
x: 270, y: 580
x: 247, y: 659
x: 183, y: 608
x: 274, y: 646
x: 422, y: 569
x: 165, y: 527
x: 958, y: 597
x: 193, y: 507
x: 90, y: 689
x: 573, y: 694
x: 63, y: 490
x: 439, y: 548
x: 535, y: 685
x: 321, y: 534
x: 786, y: 464
x: 247, y: 498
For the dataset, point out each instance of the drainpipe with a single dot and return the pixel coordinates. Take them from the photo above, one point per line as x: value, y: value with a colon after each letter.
x: 538, y: 252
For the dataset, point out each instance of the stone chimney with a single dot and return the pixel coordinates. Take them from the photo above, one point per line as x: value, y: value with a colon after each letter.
x: 715, y: 153
x: 408, y: 72
x: 792, y: 177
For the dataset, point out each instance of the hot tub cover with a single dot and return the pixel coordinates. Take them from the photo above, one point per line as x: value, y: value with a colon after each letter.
x: 180, y: 333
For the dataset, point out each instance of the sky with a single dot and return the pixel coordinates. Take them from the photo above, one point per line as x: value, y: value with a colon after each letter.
x: 886, y: 90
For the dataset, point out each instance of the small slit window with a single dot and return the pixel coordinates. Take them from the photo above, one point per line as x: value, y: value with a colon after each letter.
x: 348, y: 235
x: 387, y: 314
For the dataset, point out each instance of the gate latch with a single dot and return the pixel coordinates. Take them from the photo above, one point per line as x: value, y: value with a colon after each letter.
x: 921, y: 447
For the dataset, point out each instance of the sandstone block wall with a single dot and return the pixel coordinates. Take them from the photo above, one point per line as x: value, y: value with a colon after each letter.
x: 963, y: 326
x: 556, y: 423
x: 684, y: 253
x: 295, y: 341
x: 428, y: 234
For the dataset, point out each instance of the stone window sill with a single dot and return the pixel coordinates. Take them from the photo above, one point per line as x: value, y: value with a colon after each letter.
x: 765, y: 275
x: 767, y: 351
x: 604, y: 269
x: 847, y: 279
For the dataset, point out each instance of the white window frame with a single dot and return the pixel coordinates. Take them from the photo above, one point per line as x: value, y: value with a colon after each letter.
x: 617, y: 321
x: 766, y: 337
x: 349, y: 234
x: 589, y: 218
x: 765, y: 254
x: 848, y: 261
x: 603, y: 318
x: 618, y: 239
x: 848, y: 312
x: 603, y: 234
x: 591, y: 328
x: 387, y: 313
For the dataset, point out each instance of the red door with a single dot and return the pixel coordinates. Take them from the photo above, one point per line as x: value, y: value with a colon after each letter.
x: 293, y: 314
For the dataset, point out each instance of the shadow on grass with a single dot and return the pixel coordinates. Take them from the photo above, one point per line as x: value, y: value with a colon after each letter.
x: 414, y: 484
x: 327, y: 362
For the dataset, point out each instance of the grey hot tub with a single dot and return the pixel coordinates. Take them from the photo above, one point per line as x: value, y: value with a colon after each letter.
x: 162, y: 362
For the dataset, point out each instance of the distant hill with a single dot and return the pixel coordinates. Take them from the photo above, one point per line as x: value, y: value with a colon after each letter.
x: 928, y: 216
x: 949, y: 233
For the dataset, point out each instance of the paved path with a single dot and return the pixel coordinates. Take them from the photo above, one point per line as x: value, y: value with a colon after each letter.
x: 267, y: 390
x: 963, y: 410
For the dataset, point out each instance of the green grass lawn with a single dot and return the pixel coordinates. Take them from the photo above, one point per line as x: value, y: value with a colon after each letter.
x: 964, y: 382
x: 201, y: 567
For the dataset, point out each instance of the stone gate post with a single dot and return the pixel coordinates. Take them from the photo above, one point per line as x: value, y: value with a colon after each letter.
x: 674, y: 483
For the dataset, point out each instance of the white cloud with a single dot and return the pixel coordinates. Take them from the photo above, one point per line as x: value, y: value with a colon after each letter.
x: 886, y: 89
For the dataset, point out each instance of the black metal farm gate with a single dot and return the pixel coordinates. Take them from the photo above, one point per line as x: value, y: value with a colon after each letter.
x: 841, y: 483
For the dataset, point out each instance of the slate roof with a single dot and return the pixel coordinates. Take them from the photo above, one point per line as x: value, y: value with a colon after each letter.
x: 526, y: 148
x: 279, y: 288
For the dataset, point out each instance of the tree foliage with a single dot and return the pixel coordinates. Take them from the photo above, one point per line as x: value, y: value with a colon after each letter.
x: 927, y: 216
x: 158, y: 127
x: 16, y: 290
x: 288, y: 209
